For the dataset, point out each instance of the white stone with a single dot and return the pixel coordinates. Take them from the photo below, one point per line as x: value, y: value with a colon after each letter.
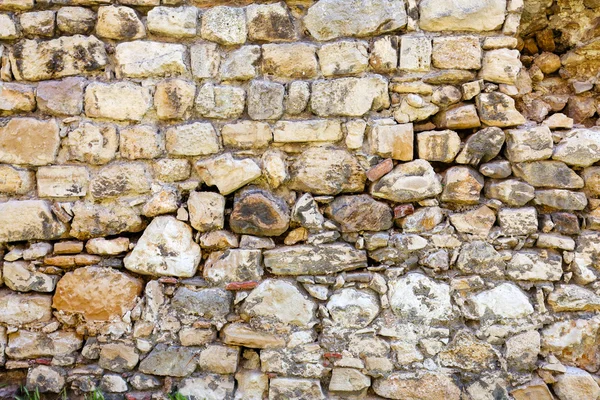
x: 351, y: 308
x: 461, y: 15
x: 419, y: 298
x: 224, y: 25
x: 316, y: 130
x: 227, y: 173
x: 415, y: 53
x: 120, y: 101
x: 195, y: 139
x: 173, y: 21
x: 505, y: 301
x: 143, y: 59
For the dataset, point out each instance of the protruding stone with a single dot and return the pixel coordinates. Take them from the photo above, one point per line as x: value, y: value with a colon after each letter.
x: 510, y: 191
x: 213, y: 304
x: 316, y: 130
x: 529, y: 144
x: 419, y: 386
x: 501, y: 66
x: 581, y: 148
x: 343, y: 58
x: 441, y: 146
x: 207, y: 211
x: 412, y: 181
x: 141, y: 142
x: 265, y: 100
x: 532, y: 265
x: 242, y: 335
x: 351, y: 308
x: 393, y: 141
x: 295, y: 389
x: 173, y: 361
x: 207, y: 387
x: 45, y: 379
x: 16, y: 180
x: 460, y: 52
x: 93, y: 144
x: 258, y: 212
x: 476, y: 222
x: 233, y: 265
x: 314, y: 260
x: 97, y: 293
x: 17, y: 309
x: 460, y: 116
x: 331, y: 19
x: 165, y: 248
x: 247, y: 134
x: 227, y: 173
x: 479, y: 257
x: 118, y: 357
x: 75, y: 20
x: 487, y: 15
x: 120, y: 179
x: 551, y: 174
x: 505, y: 301
x: 360, y: 213
x: 466, y: 352
x: 29, y: 141
x: 173, y: 21
x: 23, y: 277
x: 576, y: 384
x: 482, y: 146
x: 296, y: 61
x: 348, y: 380
x: 498, y: 109
x: 462, y: 185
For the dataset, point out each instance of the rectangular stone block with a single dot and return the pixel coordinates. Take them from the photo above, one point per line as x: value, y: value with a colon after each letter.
x: 62, y: 181
x: 142, y: 59
x: 307, y: 131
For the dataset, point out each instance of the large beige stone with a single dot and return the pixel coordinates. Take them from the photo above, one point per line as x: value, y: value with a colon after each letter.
x: 238, y: 334
x: 461, y: 15
x: 165, y: 248
x: 18, y: 309
x: 173, y: 98
x: 441, y: 146
x: 343, y: 58
x: 95, y: 220
x: 460, y: 52
x: 207, y: 211
x: 576, y: 384
x: 92, y: 144
x: 392, y: 141
x: 412, y: 181
x: 119, y: 100
x: 15, y: 98
x: 220, y: 101
x: 143, y: 59
x: 173, y: 21
x: 28, y: 220
x: 529, y: 144
x: 407, y: 299
x: 270, y: 23
x: 62, y: 181
x: 501, y: 66
x: 327, y: 171
x: 259, y: 212
x: 316, y: 130
x: 121, y: 179
x: 16, y: 180
x: 421, y: 386
x: 233, y: 265
x: 67, y: 56
x: 247, y: 134
x: 29, y: 141
x: 119, y: 23
x: 330, y: 19
x: 25, y: 344
x: 294, y: 60
x: 224, y: 25
x: 227, y: 173
x: 581, y: 147
x: 64, y: 97
x: 195, y: 139
x: 349, y: 96
x: 97, y: 293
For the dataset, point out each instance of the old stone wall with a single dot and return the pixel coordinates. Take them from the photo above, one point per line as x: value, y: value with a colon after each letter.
x: 334, y: 199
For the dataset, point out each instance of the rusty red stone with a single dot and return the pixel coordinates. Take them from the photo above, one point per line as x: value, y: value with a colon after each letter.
x: 403, y: 210
x: 241, y: 285
x: 380, y: 169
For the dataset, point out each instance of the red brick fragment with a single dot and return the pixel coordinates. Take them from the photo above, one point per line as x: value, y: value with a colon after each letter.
x: 380, y: 169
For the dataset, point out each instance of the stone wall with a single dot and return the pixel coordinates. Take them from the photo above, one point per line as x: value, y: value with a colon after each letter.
x: 334, y: 199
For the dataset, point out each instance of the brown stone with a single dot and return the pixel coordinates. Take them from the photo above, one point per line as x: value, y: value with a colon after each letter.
x: 258, y: 212
x: 94, y: 220
x: 380, y: 169
x: 96, y: 293
x: 68, y: 247
x: 64, y: 97
x: 29, y: 141
x: 360, y: 213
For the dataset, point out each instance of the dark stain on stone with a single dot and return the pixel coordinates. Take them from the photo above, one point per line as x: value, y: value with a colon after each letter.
x: 274, y: 27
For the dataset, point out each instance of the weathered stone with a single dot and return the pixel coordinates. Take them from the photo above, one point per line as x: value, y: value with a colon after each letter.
x: 501, y: 66
x: 27, y: 220
x: 213, y: 304
x: 535, y: 265
x: 224, y: 25
x: 460, y: 116
x: 462, y: 185
x: 573, y: 298
x: 393, y: 141
x: 241, y: 64
x: 16, y: 180
x: 219, y: 359
x: 576, y: 384
x: 227, y: 173
x: 441, y: 146
x: 75, y: 20
x: 25, y: 344
x: 406, y: 296
x: 337, y: 18
x: 327, y: 171
x: 535, y: 390
x: 422, y: 220
x: 360, y: 213
x: 23, y: 277
x: 93, y: 144
x: 233, y: 265
x: 118, y: 357
x: 143, y: 59
x: 505, y: 301
x: 316, y: 130
x: 29, y: 141
x: 165, y: 248
x: 461, y: 52
x: 207, y: 211
x: 510, y: 191
x: 166, y: 360
x: 573, y: 342
x: 465, y: 15
x: 173, y: 98
x: 414, y: 108
x: 269, y: 23
x: 242, y: 335
x: 64, y: 97
x: 551, y: 174
x: 314, y: 260
x: 498, y: 109
x: 37, y: 23
x: 204, y: 60
x: 518, y: 221
x: 415, y: 53
x: 279, y: 302
x: 420, y: 386
x: 246, y: 134
x: 466, y: 352
x: 561, y: 199
x: 195, y: 139
x: 119, y: 23
x: 140, y: 142
x: 265, y: 100
x: 106, y: 247
x: 581, y: 148
x: 17, y: 309
x: 15, y: 98
x: 496, y: 169
x: 295, y: 389
x: 8, y: 28
x: 62, y: 181
x: 173, y: 21
x: 476, y: 222
x: 67, y: 56
x: 45, y: 379
x: 258, y: 212
x: 120, y: 101
x: 480, y: 258
x: 220, y: 101
x: 94, y: 220
x: 351, y: 308
x: 297, y: 98
x: 120, y: 179
x: 349, y: 96
x: 209, y: 387
x: 522, y: 350
x: 412, y: 181
x: 348, y: 380
x: 96, y: 293
x: 297, y: 60
x: 529, y: 144
x: 343, y: 58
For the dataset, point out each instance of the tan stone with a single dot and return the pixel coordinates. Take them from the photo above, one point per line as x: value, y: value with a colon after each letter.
x: 441, y: 146
x: 307, y: 131
x: 393, y: 141
x: 106, y: 247
x: 119, y: 23
x: 28, y: 344
x: 62, y: 181
x: 349, y: 96
x: 16, y: 180
x: 64, y: 97
x: 18, y: 309
x: 462, y: 185
x: 174, y: 98
x: 27, y: 220
x: 118, y: 357
x: 97, y: 293
x: 242, y: 335
x: 207, y: 211
x: 269, y: 23
x: 294, y: 61
x: 461, y: 52
x: 94, y: 220
x: 29, y: 141
x: 120, y: 179
x: 69, y: 55
x: 343, y: 58
x: 461, y: 116
x: 143, y: 59
x: 227, y: 173
x: 247, y: 134
x: 141, y: 141
x: 119, y: 100
x: 16, y: 97
x: 198, y: 138
x: 418, y: 387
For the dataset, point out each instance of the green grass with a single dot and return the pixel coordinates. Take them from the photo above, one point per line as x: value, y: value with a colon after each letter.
x: 27, y: 395
x: 95, y: 395
x: 178, y: 396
